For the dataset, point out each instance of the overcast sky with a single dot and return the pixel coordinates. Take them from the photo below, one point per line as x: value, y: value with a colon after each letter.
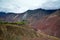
x: 20, y: 6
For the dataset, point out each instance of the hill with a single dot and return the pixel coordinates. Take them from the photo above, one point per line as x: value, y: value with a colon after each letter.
x: 10, y: 31
x: 49, y: 24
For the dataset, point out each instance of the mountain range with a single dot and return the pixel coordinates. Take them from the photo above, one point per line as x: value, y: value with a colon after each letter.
x: 46, y: 21
x: 36, y: 14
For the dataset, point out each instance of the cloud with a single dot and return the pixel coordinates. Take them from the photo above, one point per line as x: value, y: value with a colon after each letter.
x: 20, y: 6
x: 52, y: 4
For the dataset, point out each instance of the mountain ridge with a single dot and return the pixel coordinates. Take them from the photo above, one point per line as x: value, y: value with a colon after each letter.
x: 17, y: 17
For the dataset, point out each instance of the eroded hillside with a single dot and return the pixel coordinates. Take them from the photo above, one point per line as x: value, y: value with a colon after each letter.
x: 10, y: 31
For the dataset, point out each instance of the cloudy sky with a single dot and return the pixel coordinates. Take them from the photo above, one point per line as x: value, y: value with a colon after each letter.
x: 20, y: 6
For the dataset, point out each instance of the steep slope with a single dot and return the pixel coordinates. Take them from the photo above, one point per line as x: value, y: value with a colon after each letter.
x: 22, y: 32
x: 49, y: 24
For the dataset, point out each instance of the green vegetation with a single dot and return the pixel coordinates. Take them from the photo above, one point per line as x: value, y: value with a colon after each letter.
x: 22, y: 22
x: 3, y: 22
x: 19, y: 23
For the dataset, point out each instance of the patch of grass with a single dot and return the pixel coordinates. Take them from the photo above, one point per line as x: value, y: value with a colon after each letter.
x: 19, y: 23
x: 2, y: 22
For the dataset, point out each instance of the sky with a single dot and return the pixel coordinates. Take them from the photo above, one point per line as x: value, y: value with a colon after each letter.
x: 20, y: 6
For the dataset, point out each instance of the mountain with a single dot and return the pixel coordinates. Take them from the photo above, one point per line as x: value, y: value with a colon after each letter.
x: 49, y: 24
x: 36, y: 14
x: 10, y: 17
x: 46, y: 21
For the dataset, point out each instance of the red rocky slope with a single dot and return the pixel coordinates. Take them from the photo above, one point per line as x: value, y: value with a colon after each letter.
x: 49, y: 24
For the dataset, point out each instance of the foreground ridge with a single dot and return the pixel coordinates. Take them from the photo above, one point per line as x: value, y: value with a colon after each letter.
x: 22, y: 32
